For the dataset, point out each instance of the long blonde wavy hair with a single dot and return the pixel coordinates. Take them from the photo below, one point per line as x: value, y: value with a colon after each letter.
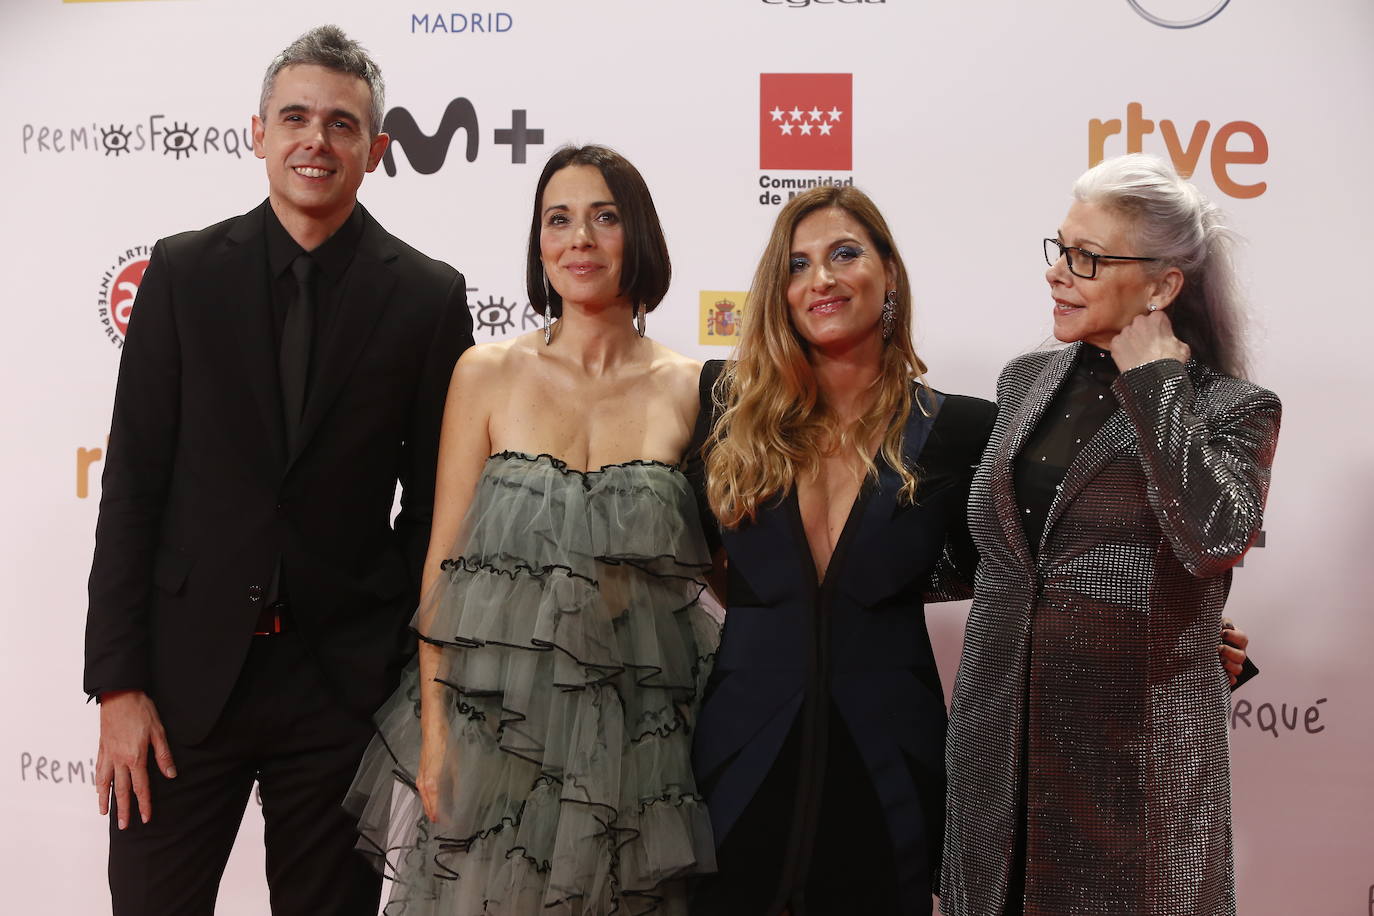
x: 772, y: 424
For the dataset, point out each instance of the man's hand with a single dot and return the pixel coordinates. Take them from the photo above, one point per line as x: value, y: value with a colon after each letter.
x: 1232, y: 649
x: 128, y: 724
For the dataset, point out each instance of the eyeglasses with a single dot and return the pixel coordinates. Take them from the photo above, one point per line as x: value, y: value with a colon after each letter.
x: 1081, y: 263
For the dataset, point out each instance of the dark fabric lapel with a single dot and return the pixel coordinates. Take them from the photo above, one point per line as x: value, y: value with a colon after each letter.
x: 365, y: 297
x: 240, y: 293
x: 1028, y: 413
x: 878, y: 564
x: 771, y: 552
x: 773, y: 555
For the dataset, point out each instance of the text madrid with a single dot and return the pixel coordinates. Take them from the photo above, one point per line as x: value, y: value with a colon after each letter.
x: 457, y: 23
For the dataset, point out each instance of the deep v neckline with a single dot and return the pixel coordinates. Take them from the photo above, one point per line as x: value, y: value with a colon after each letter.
x: 856, y: 510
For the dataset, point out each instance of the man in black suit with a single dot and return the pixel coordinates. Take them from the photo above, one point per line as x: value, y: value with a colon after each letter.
x: 249, y: 594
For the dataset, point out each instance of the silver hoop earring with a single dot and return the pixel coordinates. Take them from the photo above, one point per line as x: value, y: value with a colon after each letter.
x: 548, y: 312
x: 889, y: 315
x: 639, y: 319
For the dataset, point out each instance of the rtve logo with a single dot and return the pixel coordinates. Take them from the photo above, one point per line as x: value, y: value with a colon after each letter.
x: 1187, y: 153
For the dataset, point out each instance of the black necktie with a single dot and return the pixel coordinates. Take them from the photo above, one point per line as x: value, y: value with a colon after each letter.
x: 294, y: 358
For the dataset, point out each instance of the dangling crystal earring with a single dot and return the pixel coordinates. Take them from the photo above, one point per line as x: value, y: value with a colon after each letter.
x: 889, y: 314
x: 639, y: 319
x: 548, y: 312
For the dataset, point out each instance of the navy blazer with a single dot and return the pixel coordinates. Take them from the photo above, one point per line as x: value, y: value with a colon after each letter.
x: 792, y: 646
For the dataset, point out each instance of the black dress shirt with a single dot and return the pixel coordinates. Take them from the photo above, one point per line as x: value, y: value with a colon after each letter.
x: 333, y: 260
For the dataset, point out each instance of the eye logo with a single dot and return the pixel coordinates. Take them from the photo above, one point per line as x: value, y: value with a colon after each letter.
x: 494, y: 315
x: 115, y: 140
x: 180, y: 140
x: 497, y: 318
x: 1182, y: 23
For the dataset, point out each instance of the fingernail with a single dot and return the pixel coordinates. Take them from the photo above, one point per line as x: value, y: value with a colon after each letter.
x: 171, y: 772
x: 123, y: 822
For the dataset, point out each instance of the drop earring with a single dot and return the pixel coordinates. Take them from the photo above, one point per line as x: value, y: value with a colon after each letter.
x: 889, y: 314
x: 548, y: 313
x: 639, y: 319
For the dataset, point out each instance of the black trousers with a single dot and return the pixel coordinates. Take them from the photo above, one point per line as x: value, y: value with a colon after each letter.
x: 282, y: 728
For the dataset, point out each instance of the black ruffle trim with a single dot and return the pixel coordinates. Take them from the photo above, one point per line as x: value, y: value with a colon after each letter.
x: 558, y: 464
x: 604, y: 674
x: 453, y: 846
x: 608, y: 672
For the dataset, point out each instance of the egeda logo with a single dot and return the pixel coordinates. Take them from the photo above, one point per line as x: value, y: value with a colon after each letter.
x: 427, y: 152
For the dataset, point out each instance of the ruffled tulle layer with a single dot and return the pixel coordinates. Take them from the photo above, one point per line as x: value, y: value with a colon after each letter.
x: 574, y: 647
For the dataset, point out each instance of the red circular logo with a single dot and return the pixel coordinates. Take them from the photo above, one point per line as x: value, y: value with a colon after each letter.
x: 123, y: 293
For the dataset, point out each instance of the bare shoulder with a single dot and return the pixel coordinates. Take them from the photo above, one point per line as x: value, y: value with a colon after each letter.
x: 486, y: 371
x: 676, y: 373
x: 490, y: 362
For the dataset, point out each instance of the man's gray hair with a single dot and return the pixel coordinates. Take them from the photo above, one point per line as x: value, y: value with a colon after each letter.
x: 327, y: 46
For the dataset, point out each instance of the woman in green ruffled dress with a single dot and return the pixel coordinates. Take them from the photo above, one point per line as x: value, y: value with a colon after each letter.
x: 537, y: 758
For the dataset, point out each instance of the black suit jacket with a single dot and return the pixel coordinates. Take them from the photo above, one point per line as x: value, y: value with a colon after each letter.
x: 200, y: 496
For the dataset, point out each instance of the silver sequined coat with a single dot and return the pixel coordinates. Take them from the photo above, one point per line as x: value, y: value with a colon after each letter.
x: 1099, y: 655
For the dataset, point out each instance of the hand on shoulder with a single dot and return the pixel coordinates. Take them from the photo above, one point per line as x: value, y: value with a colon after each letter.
x: 1146, y: 339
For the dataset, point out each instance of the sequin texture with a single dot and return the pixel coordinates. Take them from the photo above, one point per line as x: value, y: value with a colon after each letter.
x: 1098, y: 654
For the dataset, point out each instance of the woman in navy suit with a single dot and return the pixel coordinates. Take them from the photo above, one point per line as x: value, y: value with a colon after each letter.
x: 839, y: 480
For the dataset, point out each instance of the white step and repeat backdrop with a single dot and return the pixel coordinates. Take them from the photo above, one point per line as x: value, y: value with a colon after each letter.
x: 126, y: 121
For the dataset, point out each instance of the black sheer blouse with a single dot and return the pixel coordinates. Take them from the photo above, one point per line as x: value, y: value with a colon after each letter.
x: 1078, y: 411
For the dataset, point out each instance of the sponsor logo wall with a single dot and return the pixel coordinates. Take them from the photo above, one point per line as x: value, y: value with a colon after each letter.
x: 966, y: 122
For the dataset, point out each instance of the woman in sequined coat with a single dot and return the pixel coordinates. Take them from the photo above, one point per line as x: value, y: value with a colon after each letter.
x: 1126, y: 475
